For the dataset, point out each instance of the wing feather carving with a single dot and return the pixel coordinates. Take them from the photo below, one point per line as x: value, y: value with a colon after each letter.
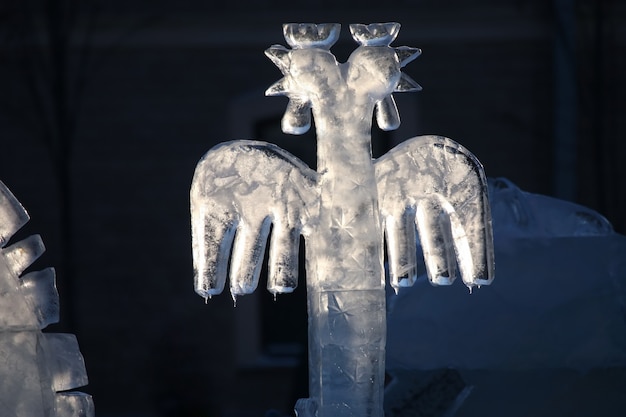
x: 437, y: 186
x: 241, y: 190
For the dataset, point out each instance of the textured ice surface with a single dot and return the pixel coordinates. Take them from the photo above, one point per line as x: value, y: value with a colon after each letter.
x: 243, y: 189
x: 34, y: 367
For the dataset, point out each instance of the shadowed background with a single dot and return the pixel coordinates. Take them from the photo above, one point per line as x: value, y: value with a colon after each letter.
x: 105, y: 108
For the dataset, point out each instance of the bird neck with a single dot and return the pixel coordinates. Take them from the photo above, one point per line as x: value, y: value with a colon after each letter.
x: 344, y: 144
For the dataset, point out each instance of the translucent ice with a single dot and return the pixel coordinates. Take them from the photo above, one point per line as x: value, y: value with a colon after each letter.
x: 36, y: 367
x: 243, y: 189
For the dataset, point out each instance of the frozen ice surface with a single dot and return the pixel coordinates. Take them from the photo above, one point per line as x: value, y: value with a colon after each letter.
x: 243, y: 191
x: 246, y: 186
x: 64, y: 361
x: 12, y: 215
x: 74, y: 403
x: 34, y: 367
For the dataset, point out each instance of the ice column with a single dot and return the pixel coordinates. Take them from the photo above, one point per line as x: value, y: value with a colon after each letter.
x: 38, y: 369
x: 344, y: 210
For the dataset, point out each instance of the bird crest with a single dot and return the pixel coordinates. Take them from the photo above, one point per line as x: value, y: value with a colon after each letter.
x: 374, y: 60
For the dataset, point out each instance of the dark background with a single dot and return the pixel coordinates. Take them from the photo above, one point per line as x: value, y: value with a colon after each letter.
x: 106, y: 106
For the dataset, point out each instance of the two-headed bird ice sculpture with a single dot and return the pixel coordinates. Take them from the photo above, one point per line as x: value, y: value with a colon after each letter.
x: 345, y: 210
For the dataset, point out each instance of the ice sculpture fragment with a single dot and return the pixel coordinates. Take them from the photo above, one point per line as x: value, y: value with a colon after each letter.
x: 345, y: 210
x: 38, y: 369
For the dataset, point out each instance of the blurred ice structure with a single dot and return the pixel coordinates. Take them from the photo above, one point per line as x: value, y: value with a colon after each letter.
x: 244, y: 190
x: 37, y: 370
x: 518, y: 214
x: 548, y: 338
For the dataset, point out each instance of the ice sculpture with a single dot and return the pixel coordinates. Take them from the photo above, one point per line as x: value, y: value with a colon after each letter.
x: 37, y: 369
x: 242, y: 190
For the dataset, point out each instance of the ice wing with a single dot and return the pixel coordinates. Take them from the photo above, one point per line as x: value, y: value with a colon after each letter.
x: 437, y: 185
x: 240, y: 189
